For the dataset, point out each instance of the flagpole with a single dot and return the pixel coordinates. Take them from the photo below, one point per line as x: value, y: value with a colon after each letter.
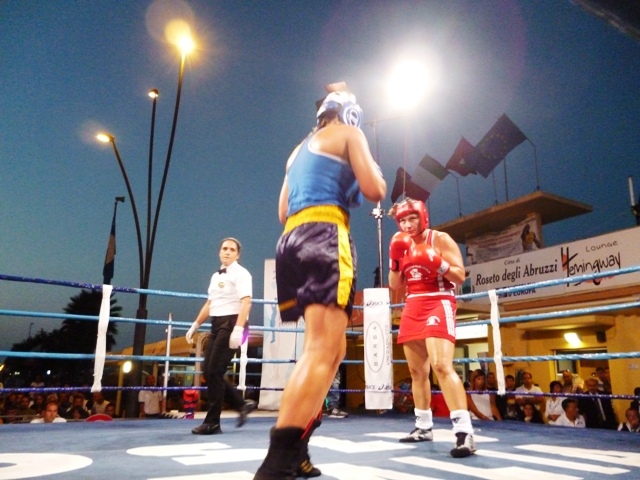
x: 535, y: 163
x: 458, y: 188
x: 378, y: 212
x: 495, y: 188
x: 506, y: 185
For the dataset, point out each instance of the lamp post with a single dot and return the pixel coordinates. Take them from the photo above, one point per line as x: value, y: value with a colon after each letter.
x: 406, y: 86
x: 144, y: 259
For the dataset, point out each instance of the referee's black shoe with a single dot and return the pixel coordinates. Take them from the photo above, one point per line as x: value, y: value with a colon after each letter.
x: 248, y: 407
x: 207, y: 429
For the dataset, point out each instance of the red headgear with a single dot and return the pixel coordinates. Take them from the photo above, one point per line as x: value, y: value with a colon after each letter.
x: 409, y: 205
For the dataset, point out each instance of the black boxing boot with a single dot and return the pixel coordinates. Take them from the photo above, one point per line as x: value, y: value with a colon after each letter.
x: 282, y: 458
x: 305, y: 468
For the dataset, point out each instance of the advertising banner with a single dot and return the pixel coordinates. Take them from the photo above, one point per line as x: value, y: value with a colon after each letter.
x: 524, y: 236
x: 605, y: 252
x: 378, y: 368
x: 276, y: 345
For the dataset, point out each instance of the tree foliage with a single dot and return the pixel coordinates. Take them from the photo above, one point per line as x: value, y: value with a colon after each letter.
x: 74, y: 336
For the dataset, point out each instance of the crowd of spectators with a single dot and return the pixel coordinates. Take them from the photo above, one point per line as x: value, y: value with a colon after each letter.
x: 526, y: 403
x: 52, y: 407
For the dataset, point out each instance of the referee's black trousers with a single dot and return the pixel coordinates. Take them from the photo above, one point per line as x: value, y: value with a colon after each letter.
x: 217, y: 357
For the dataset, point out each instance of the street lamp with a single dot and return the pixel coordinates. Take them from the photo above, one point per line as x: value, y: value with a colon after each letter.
x: 185, y: 44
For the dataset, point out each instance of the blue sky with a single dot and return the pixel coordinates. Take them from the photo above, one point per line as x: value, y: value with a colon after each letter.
x: 71, y: 68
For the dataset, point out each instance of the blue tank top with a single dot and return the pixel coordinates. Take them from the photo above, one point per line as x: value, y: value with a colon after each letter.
x: 318, y: 178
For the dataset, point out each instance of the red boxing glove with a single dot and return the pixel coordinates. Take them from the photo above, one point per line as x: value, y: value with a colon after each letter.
x: 428, y: 257
x: 400, y: 243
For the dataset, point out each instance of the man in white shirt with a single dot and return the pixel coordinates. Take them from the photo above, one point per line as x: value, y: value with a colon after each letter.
x: 49, y: 414
x: 150, y: 400
x: 570, y: 417
x: 528, y: 387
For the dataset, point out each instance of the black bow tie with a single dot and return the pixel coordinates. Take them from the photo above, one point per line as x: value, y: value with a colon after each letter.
x: 223, y: 270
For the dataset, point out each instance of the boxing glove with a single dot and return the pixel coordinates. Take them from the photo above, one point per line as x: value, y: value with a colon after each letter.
x: 429, y: 258
x: 398, y: 246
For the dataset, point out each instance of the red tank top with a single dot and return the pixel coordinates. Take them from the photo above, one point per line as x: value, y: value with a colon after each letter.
x: 419, y: 279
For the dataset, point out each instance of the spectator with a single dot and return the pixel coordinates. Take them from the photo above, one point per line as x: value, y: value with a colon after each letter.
x: 635, y: 404
x: 438, y: 404
x: 633, y: 421
x: 598, y: 412
x: 39, y: 403
x: 481, y: 405
x: 77, y: 413
x: 528, y: 387
x: 24, y: 409
x: 63, y: 402
x: 49, y: 414
x: 530, y: 414
x: 149, y: 401
x: 77, y: 409
x: 604, y: 385
x: 570, y: 416
x: 569, y: 384
x: 506, y: 404
x: 491, y: 382
x: 554, y: 404
x: 333, y: 399
x: 190, y: 401
x: 37, y: 383
x: 110, y: 410
x: 99, y: 403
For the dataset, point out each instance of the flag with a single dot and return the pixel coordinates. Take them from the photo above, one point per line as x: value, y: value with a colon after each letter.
x: 428, y: 174
x: 457, y: 162
x: 503, y: 137
x: 402, y: 177
x: 110, y: 257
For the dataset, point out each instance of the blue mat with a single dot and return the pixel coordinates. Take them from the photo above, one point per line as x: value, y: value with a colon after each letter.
x: 361, y: 447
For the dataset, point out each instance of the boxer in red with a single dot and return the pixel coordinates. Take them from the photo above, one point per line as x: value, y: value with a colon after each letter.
x: 430, y: 264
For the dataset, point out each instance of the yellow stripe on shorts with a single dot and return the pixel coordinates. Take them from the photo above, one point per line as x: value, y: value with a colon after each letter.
x: 345, y: 261
x: 336, y: 215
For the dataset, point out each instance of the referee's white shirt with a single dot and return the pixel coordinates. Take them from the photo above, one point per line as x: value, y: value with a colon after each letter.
x: 226, y: 290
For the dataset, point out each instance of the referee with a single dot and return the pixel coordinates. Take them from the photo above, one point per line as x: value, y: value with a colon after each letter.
x: 228, y: 305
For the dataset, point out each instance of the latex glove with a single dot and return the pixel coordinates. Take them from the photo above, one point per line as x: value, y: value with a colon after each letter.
x: 235, y: 340
x: 192, y: 331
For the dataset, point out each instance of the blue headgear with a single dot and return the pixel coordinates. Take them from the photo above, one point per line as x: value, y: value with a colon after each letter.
x: 345, y: 104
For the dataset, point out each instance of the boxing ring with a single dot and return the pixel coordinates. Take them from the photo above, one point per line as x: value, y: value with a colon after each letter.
x: 362, y: 446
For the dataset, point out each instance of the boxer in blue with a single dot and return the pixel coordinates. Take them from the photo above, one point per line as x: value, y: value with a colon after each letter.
x: 328, y: 173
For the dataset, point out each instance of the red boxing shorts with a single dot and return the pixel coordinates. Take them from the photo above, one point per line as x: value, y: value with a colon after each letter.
x: 315, y: 262
x: 427, y: 316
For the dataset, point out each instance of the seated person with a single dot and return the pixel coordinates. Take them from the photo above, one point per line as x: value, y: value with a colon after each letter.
x: 635, y: 404
x: 49, y: 414
x: 530, y: 414
x: 482, y: 406
x: 598, y: 412
x: 528, y: 387
x: 99, y: 403
x: 77, y: 410
x: 633, y: 421
x: 554, y: 404
x: 507, y: 403
x: 110, y: 410
x: 570, y: 416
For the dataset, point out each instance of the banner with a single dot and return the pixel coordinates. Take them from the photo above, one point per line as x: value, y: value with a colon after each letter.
x: 611, y: 251
x: 378, y: 369
x: 525, y: 236
x: 276, y: 345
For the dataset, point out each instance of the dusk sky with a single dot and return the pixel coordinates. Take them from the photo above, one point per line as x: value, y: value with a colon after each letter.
x: 70, y: 69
